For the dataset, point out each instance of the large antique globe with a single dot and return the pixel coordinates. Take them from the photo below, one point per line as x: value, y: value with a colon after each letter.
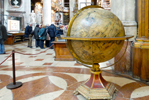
x: 87, y: 31
x: 95, y: 35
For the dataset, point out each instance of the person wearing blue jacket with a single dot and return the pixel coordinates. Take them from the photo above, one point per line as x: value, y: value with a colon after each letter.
x: 36, y: 36
x: 28, y: 30
x: 51, y: 32
x: 59, y: 31
x: 42, y: 36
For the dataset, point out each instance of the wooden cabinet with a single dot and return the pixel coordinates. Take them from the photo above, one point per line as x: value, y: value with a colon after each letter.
x: 61, y: 51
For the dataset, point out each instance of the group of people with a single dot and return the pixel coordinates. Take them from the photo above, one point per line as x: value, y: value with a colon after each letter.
x: 44, y: 35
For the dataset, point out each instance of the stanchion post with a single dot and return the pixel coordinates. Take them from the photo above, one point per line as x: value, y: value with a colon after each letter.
x: 14, y: 84
x: 13, y: 67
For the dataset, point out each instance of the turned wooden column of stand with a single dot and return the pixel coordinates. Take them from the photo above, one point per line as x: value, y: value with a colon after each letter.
x: 141, y: 46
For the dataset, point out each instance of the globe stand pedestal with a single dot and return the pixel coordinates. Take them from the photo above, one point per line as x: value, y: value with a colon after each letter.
x: 96, y: 87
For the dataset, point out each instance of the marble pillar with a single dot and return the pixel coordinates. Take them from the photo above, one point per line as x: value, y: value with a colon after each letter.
x: 72, y: 6
x: 125, y: 11
x: 62, y: 13
x: 46, y: 12
x: 27, y: 8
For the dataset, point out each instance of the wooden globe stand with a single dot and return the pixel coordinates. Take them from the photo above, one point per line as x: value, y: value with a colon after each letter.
x: 96, y: 87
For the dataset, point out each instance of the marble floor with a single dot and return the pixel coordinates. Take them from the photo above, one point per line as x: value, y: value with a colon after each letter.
x: 46, y: 79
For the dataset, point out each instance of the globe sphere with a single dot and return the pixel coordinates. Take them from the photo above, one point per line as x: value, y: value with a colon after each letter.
x: 95, y: 22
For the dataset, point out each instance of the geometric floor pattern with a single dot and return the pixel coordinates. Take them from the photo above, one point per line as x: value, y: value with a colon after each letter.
x: 46, y: 79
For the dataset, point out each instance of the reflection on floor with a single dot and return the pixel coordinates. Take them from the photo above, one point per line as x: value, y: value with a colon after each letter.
x: 46, y: 79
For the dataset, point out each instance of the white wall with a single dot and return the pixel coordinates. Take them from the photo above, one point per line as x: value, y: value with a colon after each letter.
x: 25, y: 7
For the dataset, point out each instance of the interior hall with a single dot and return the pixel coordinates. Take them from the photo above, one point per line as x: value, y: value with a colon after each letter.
x: 74, y: 49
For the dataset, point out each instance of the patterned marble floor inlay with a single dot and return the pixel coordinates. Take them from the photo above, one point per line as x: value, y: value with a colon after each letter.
x: 44, y: 78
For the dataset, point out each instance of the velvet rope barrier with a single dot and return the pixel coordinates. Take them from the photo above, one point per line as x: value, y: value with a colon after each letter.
x: 33, y: 54
x: 5, y: 59
x: 24, y: 54
x: 18, y: 84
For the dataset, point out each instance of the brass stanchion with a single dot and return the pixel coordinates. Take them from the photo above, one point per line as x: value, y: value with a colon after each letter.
x: 14, y: 84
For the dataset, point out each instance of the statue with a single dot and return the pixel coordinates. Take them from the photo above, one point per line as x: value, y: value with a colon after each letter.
x: 32, y: 17
x: 58, y: 18
x: 38, y: 17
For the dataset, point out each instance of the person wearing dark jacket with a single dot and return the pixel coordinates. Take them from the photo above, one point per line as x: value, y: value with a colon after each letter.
x: 28, y: 35
x: 42, y: 36
x: 51, y: 32
x: 28, y: 30
x: 3, y: 37
x: 36, y: 36
x: 59, y: 31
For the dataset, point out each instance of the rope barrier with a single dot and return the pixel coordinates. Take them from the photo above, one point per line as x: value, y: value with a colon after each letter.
x: 18, y: 84
x: 5, y: 59
x: 24, y: 54
x: 34, y: 54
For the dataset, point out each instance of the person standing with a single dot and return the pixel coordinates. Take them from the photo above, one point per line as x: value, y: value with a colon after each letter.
x: 28, y: 34
x: 48, y: 37
x: 28, y: 30
x: 42, y: 36
x: 3, y: 37
x: 51, y: 32
x: 36, y: 36
x: 59, y: 31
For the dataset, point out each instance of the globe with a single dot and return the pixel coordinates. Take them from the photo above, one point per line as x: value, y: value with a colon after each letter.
x: 93, y: 22
x: 95, y: 35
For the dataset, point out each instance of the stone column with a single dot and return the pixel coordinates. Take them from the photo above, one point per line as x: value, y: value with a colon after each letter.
x: 46, y: 12
x: 125, y: 10
x: 62, y: 13
x: 71, y: 7
x: 27, y: 7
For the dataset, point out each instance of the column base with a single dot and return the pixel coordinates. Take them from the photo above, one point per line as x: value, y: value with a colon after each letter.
x: 96, y: 88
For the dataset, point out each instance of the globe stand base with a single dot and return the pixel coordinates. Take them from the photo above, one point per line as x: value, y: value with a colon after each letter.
x: 96, y: 88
